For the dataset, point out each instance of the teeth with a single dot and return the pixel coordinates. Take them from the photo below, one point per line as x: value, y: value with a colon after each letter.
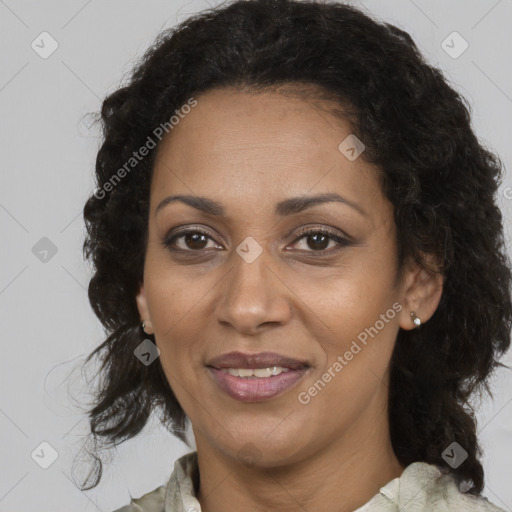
x: 260, y: 372
x: 256, y: 372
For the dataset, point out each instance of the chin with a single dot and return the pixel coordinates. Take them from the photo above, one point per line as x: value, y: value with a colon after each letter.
x: 259, y: 451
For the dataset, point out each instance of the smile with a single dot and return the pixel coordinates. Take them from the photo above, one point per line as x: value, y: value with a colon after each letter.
x: 254, y: 385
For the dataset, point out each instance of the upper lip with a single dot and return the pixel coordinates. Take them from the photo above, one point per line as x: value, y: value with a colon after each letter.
x: 260, y: 360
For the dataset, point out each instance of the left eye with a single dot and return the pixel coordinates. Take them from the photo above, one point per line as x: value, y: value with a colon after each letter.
x: 194, y: 240
x: 319, y: 239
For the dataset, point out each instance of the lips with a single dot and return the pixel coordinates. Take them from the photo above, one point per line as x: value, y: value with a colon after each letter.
x: 289, y: 371
x: 259, y: 360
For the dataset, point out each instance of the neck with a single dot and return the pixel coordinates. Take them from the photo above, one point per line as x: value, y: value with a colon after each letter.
x: 342, y: 476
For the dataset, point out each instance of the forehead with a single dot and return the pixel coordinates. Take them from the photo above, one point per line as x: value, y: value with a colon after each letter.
x: 258, y: 149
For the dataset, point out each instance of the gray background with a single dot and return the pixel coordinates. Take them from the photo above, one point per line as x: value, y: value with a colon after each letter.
x: 48, y: 155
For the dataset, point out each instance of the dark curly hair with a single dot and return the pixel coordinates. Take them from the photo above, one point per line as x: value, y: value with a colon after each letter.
x: 440, y: 179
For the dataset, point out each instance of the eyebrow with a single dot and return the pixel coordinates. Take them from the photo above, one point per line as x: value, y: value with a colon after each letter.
x: 283, y: 208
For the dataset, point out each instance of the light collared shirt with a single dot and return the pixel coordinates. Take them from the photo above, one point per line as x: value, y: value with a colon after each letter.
x: 421, y: 487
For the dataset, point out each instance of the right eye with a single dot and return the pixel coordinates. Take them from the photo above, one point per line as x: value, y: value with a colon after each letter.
x: 194, y: 240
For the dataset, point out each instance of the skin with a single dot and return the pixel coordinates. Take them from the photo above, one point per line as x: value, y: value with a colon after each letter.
x: 248, y: 152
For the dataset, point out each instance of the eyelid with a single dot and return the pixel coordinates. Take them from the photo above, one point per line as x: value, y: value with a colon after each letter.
x: 334, y: 232
x: 186, y: 228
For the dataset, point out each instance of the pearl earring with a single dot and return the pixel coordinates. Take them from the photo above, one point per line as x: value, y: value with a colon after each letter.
x: 415, y: 319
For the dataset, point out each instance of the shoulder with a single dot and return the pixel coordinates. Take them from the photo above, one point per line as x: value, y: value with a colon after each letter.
x: 435, y: 489
x: 150, y: 502
x: 177, y: 495
x: 482, y: 504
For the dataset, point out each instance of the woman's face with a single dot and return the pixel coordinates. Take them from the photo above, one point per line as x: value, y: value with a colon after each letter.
x: 247, y: 279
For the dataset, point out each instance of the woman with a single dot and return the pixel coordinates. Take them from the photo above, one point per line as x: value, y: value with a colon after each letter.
x: 297, y: 252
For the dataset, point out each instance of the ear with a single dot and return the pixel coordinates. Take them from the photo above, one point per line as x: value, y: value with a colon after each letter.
x: 422, y: 291
x: 142, y: 306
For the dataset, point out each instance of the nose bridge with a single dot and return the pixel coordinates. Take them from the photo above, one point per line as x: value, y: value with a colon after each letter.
x: 253, y: 295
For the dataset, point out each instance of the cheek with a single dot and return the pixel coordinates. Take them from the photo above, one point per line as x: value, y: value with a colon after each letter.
x: 176, y: 307
x: 350, y: 303
x: 366, y: 329
x: 356, y: 373
x: 359, y: 333
x: 176, y: 295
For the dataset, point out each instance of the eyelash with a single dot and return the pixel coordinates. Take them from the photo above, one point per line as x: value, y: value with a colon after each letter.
x: 342, y: 242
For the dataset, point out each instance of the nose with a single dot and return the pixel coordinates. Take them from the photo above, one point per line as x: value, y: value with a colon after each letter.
x: 254, y: 297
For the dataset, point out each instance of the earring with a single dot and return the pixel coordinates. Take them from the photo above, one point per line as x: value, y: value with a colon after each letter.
x: 144, y: 326
x: 415, y: 319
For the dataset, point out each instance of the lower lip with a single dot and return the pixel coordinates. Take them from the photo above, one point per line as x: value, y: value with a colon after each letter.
x: 249, y: 389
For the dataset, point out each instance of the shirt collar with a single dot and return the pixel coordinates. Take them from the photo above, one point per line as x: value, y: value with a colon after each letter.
x: 183, y: 485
